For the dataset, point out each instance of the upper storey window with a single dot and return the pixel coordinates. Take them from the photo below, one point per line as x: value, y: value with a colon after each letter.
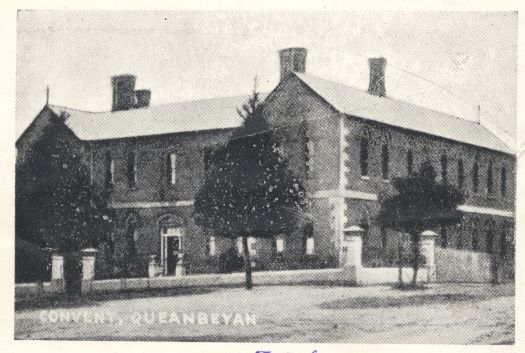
x: 461, y: 174
x: 363, y: 156
x: 475, y: 177
x: 490, y: 181
x: 410, y: 162
x: 109, y: 177
x: 132, y: 169
x: 444, y: 167
x: 503, y: 181
x: 385, y: 162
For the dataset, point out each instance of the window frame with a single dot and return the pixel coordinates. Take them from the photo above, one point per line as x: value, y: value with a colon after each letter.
x: 109, y: 170
x: 461, y: 174
x: 443, y: 161
x: 475, y: 177
x: 503, y: 181
x: 385, y: 162
x: 410, y: 162
x: 131, y: 169
x: 364, y: 156
x: 490, y: 178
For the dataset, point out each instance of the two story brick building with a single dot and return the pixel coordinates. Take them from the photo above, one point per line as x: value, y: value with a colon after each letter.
x: 346, y: 144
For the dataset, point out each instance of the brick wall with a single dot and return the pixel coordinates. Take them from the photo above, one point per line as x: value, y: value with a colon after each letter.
x: 429, y: 148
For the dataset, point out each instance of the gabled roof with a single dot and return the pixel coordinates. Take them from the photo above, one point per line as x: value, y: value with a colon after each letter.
x: 197, y: 115
x: 355, y: 102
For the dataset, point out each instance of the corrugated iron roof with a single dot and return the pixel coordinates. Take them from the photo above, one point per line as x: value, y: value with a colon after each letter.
x: 359, y: 103
x: 197, y: 115
x: 220, y: 113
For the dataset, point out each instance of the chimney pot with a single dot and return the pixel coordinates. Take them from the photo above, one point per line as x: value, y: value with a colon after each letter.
x: 123, y: 92
x: 143, y: 98
x: 292, y: 60
x: 376, y: 84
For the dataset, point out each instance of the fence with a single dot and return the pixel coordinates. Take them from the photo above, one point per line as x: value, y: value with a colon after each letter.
x: 441, y: 265
x: 462, y: 266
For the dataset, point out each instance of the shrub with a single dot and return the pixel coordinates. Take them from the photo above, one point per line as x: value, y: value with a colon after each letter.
x: 230, y: 262
x: 32, y: 264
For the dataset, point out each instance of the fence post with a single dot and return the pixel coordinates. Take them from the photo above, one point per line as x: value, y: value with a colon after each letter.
x: 57, y: 273
x: 88, y: 269
x: 428, y: 243
x: 352, y: 253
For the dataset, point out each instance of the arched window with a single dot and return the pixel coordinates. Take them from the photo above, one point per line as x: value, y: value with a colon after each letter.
x: 363, y: 156
x: 444, y: 237
x: 461, y: 174
x: 489, y: 237
x: 410, y: 162
x: 503, y: 181
x: 109, y: 177
x: 503, y: 241
x: 385, y: 161
x: 490, y: 181
x: 459, y: 234
x: 475, y: 177
x: 384, y: 240
x: 475, y: 234
x: 444, y: 167
x: 308, y: 239
x: 132, y: 169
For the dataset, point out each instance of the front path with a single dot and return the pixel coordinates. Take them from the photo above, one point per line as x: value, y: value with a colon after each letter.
x: 452, y: 314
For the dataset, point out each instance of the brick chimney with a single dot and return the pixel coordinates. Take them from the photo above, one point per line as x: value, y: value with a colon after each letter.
x: 123, y: 92
x: 143, y: 98
x: 292, y: 60
x: 376, y: 85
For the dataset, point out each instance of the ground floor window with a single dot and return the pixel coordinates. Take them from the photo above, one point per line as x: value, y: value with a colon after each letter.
x: 251, y: 246
x: 211, y: 245
x: 310, y: 246
x: 279, y: 245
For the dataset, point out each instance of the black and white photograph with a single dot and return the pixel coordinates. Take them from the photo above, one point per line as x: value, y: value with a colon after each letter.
x: 266, y: 177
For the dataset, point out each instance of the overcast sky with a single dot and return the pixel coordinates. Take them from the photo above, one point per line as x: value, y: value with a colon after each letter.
x: 446, y: 61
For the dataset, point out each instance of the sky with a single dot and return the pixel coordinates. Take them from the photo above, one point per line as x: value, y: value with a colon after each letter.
x: 448, y: 61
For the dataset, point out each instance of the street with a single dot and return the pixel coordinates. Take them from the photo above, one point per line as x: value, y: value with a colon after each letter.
x: 442, y: 314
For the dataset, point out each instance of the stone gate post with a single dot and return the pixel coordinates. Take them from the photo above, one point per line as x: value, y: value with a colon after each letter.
x: 428, y: 242
x: 88, y: 269
x: 57, y: 273
x: 352, y: 253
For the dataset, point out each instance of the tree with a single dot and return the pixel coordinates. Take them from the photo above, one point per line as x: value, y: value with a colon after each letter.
x: 56, y: 205
x: 420, y: 203
x: 250, y: 192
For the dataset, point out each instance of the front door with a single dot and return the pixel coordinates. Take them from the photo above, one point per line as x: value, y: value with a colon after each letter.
x: 173, y: 246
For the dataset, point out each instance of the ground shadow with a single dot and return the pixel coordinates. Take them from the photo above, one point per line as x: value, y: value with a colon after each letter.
x: 399, y: 301
x: 94, y: 299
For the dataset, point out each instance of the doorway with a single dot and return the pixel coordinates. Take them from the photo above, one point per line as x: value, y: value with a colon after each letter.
x: 171, y: 247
